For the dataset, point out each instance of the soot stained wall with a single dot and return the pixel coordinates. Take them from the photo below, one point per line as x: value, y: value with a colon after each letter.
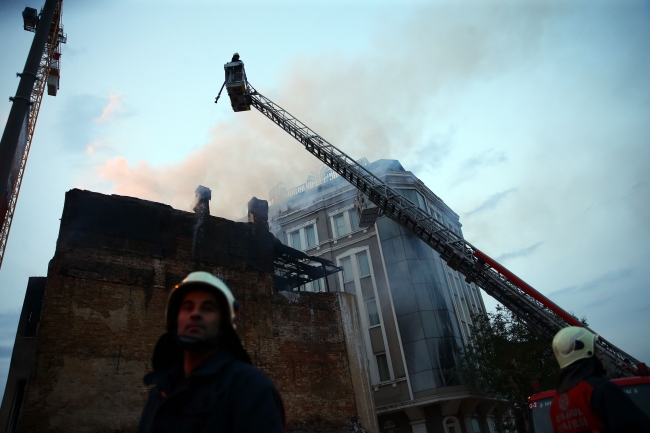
x: 116, y: 260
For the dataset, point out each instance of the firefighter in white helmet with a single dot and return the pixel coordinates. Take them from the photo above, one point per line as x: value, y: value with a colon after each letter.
x: 203, y: 378
x: 585, y: 401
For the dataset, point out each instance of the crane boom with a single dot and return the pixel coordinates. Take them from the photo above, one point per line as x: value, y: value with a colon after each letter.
x: 48, y: 64
x: 525, y: 302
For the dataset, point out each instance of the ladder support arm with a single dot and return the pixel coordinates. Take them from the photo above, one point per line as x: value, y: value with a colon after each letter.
x: 537, y: 311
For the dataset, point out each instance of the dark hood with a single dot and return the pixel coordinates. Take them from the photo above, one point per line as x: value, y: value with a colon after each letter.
x: 573, y: 374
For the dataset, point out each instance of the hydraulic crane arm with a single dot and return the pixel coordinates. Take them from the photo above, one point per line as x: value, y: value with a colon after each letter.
x: 525, y: 302
x: 46, y: 73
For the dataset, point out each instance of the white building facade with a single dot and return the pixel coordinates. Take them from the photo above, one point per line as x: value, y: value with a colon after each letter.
x: 416, y: 311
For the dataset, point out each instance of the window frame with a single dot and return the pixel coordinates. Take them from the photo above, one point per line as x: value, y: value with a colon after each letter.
x: 420, y: 199
x: 446, y: 424
x: 475, y: 422
x: 363, y: 310
x: 367, y: 263
x: 321, y: 285
x: 301, y: 230
x: 374, y: 300
x: 347, y: 220
x: 336, y: 226
x: 377, y: 355
x: 345, y: 274
x: 292, y: 240
x: 309, y: 287
x: 353, y: 227
x: 461, y: 299
x: 313, y: 227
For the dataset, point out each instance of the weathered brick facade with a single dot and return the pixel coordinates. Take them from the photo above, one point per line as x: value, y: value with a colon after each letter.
x: 116, y: 259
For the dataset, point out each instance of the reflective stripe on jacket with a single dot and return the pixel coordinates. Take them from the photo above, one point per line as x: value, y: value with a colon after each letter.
x: 571, y: 411
x: 596, y: 404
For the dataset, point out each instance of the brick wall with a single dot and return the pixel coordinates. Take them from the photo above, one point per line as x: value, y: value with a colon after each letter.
x: 115, y: 261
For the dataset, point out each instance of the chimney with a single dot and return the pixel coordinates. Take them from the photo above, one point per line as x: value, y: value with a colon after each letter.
x: 258, y: 213
x: 202, y: 201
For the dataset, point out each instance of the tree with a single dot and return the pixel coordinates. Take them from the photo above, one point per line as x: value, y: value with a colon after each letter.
x: 505, y: 357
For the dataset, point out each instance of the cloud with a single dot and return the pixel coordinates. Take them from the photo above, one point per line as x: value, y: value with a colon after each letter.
x: 612, y: 302
x: 433, y: 153
x: 8, y: 320
x: 8, y: 327
x: 489, y: 157
x: 540, y: 101
x: 524, y: 252
x: 491, y: 202
x: 470, y: 167
x: 4, y: 372
x: 76, y: 121
x: 90, y: 149
x: 114, y: 106
x: 237, y: 163
x: 370, y: 106
x: 86, y: 121
x: 8, y: 324
x: 608, y: 280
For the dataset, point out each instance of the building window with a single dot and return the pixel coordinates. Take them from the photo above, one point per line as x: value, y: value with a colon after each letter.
x: 466, y: 328
x: 451, y: 425
x: 339, y: 226
x: 310, y: 236
x: 357, y: 278
x: 346, y: 264
x: 382, y: 366
x: 344, y: 223
x: 364, y: 266
x: 302, y: 287
x: 313, y: 286
x: 354, y: 220
x: 373, y: 314
x: 415, y: 197
x: 318, y: 285
x: 476, y: 426
x: 303, y: 237
x: 295, y: 240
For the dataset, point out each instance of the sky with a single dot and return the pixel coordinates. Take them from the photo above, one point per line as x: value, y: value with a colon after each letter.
x: 528, y: 118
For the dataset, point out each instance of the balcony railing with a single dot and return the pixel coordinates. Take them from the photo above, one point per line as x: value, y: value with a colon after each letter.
x: 318, y: 177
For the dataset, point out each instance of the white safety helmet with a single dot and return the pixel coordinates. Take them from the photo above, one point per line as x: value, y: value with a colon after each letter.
x: 201, y: 281
x: 572, y: 344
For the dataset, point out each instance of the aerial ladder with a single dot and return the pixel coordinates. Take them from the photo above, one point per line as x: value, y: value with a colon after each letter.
x: 539, y: 312
x: 42, y: 69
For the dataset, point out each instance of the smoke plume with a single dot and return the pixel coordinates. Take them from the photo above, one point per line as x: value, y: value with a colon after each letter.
x: 376, y: 104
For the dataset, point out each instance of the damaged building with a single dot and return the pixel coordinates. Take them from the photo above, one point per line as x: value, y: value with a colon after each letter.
x: 357, y: 326
x: 415, y: 311
x: 88, y: 329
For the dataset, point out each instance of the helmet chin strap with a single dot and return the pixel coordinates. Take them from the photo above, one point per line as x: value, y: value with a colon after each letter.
x: 196, y: 344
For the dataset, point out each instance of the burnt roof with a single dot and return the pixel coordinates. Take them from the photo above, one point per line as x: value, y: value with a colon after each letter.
x: 144, y: 227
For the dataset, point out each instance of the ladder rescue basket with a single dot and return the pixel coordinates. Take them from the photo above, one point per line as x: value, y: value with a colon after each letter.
x: 240, y: 100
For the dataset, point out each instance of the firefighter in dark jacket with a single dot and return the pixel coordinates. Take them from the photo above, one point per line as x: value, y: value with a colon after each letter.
x: 585, y: 401
x: 203, y: 379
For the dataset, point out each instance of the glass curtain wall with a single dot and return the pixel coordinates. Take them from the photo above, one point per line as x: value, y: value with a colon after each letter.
x: 425, y: 314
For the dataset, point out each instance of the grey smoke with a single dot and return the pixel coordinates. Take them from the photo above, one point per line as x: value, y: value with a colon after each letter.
x: 491, y: 202
x: 524, y: 252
